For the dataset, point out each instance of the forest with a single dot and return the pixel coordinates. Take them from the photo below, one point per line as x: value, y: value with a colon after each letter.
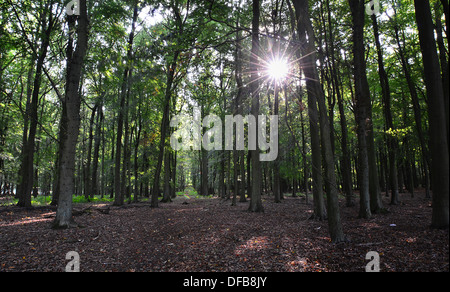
x: 315, y: 120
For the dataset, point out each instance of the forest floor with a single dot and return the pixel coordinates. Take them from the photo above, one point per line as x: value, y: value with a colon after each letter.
x: 199, y: 235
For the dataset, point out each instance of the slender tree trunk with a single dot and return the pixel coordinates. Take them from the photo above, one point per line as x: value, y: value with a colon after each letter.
x: 238, y: 174
x: 305, y: 162
x: 97, y: 139
x: 26, y: 119
x: 249, y: 175
x: 222, y: 175
x: 119, y: 195
x: 443, y: 55
x: 417, y: 112
x: 137, y: 180
x: 28, y: 149
x: 167, y: 176
x: 276, y: 164
x: 319, y: 204
x: 436, y: 116
x: 362, y: 111
x: 346, y: 159
x: 205, y: 163
x: 126, y: 146
x: 345, y: 162
x: 302, y: 107
x: 391, y: 140
x: 447, y: 16
x: 241, y: 182
x: 255, y: 199
x: 239, y: 169
x: 71, y: 123
x: 164, y: 129
x: 173, y: 183
x: 88, y: 176
x: 316, y: 94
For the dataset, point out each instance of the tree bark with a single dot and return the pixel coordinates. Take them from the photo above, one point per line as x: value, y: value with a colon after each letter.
x: 164, y: 129
x: 28, y: 149
x: 276, y: 165
x: 167, y: 177
x: 417, y: 111
x: 119, y: 195
x: 205, y: 163
x: 345, y: 162
x: 443, y: 55
x: 97, y: 139
x: 87, y: 172
x: 71, y: 123
x: 318, y: 197
x: 436, y: 115
x: 316, y: 95
x: 386, y: 96
x: 362, y: 114
x: 255, y: 199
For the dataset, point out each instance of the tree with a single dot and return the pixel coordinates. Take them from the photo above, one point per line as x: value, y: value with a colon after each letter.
x: 415, y: 102
x: 317, y: 96
x: 118, y: 182
x: 336, y: 84
x: 70, y: 120
x: 255, y: 196
x: 437, y: 119
x: 363, y: 104
x: 31, y: 112
x: 386, y: 94
x: 318, y: 197
x: 171, y: 70
x: 239, y: 155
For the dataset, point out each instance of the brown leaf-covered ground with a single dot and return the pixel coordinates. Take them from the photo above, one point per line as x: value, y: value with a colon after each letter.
x: 210, y: 235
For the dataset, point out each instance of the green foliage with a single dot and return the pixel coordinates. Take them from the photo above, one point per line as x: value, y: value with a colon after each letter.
x: 42, y: 200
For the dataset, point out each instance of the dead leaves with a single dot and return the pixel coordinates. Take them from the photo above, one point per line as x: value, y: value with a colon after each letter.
x: 209, y: 235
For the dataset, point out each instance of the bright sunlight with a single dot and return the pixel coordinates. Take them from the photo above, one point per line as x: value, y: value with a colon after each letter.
x: 278, y: 69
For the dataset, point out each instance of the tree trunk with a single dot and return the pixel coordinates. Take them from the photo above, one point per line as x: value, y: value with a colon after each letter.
x: 164, y: 128
x: 88, y: 176
x: 276, y: 164
x: 362, y: 114
x: 173, y: 183
x: 392, y: 144
x: 126, y: 146
x: 205, y: 164
x: 71, y: 121
x: 167, y: 176
x: 255, y: 199
x: 319, y: 205
x: 444, y: 63
x: 345, y: 162
x: 97, y: 139
x: 119, y: 196
x: 26, y: 169
x: 436, y: 115
x: 316, y: 95
x: 417, y: 111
